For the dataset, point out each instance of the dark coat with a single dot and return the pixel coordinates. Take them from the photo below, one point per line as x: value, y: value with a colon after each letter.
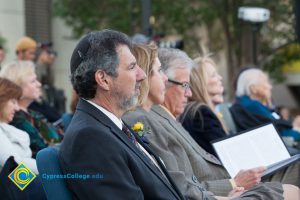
x: 93, y: 144
x: 204, y: 127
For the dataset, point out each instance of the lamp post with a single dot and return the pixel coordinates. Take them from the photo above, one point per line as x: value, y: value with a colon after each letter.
x: 255, y: 17
x: 146, y: 14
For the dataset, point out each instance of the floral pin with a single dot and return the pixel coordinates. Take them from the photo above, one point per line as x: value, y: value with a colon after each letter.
x: 141, y: 131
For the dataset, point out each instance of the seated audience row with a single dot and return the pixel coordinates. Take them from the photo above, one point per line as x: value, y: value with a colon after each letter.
x: 159, y: 159
x: 14, y: 142
x: 185, y: 160
x: 41, y: 132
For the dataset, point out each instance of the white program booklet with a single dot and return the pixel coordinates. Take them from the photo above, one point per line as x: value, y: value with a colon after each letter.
x: 258, y: 147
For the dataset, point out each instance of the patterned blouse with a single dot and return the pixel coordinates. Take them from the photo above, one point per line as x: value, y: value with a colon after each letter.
x: 40, y: 131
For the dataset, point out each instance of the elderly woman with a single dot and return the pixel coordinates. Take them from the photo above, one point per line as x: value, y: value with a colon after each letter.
x: 199, y: 118
x: 40, y: 131
x: 14, y: 142
x: 254, y: 105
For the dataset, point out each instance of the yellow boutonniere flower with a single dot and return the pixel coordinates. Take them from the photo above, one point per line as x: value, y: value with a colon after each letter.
x: 138, y: 127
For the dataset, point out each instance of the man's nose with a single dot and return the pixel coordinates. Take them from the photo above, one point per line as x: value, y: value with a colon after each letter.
x: 141, y: 75
x: 164, y: 77
x: 39, y: 84
x: 188, y: 93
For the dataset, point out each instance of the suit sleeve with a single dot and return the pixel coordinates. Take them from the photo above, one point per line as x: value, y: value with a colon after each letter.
x: 187, y: 184
x: 104, y: 157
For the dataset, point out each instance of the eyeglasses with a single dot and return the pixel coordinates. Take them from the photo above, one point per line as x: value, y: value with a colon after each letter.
x: 185, y: 85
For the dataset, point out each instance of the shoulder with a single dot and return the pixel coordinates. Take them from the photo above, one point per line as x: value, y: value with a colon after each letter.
x: 132, y: 116
x: 204, y: 110
x: 89, y: 139
x: 199, y: 112
x: 248, y: 102
x: 12, y: 129
x: 22, y: 120
x: 20, y: 116
x: 207, y: 113
x: 14, y: 134
x: 82, y: 125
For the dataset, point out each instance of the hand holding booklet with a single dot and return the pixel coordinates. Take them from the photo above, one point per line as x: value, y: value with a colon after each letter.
x: 258, y: 147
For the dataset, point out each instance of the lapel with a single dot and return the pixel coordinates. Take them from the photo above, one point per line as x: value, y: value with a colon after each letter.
x: 161, y: 165
x: 184, y: 134
x: 103, y: 119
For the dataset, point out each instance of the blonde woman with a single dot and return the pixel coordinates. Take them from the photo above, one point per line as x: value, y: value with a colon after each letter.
x: 199, y: 118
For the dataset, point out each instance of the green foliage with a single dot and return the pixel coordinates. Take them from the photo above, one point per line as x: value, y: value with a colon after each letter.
x: 284, y: 56
x: 183, y: 17
x: 87, y: 15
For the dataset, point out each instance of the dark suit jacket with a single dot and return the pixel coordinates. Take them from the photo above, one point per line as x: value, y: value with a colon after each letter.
x: 93, y: 144
x: 245, y: 120
x: 203, y: 127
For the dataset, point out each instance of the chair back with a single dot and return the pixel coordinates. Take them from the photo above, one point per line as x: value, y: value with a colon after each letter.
x: 227, y: 117
x: 48, y: 163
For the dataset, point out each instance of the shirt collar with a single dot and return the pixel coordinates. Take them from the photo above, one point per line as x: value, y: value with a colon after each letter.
x: 110, y: 115
x: 167, y: 110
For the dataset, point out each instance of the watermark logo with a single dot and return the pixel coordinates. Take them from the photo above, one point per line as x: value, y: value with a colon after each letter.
x: 22, y: 176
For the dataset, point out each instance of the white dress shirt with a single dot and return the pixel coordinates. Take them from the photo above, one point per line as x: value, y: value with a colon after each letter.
x: 110, y: 115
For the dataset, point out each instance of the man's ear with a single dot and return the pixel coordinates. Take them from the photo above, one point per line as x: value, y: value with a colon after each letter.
x: 102, y: 79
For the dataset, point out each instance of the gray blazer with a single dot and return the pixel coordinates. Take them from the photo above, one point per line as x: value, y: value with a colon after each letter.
x: 186, y: 161
x: 175, y: 157
x: 289, y: 175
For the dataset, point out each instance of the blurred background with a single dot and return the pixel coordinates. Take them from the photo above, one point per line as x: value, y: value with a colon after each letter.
x: 237, y: 32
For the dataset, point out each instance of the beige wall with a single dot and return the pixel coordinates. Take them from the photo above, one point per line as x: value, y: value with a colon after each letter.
x: 12, y: 28
x: 64, y: 45
x: 12, y: 25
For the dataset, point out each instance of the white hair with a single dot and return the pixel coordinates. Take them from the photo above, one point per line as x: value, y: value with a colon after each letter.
x: 246, y: 79
x: 18, y: 71
x: 173, y: 59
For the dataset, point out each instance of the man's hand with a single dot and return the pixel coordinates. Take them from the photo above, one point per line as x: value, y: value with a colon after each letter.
x: 236, y: 192
x: 249, y: 178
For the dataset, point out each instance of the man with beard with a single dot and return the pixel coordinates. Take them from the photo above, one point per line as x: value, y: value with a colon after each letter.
x: 105, y: 75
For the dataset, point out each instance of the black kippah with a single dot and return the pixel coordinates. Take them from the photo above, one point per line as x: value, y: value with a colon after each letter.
x: 79, y: 53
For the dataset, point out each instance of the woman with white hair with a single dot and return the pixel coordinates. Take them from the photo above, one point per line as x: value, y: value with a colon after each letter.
x: 254, y: 95
x: 41, y: 133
